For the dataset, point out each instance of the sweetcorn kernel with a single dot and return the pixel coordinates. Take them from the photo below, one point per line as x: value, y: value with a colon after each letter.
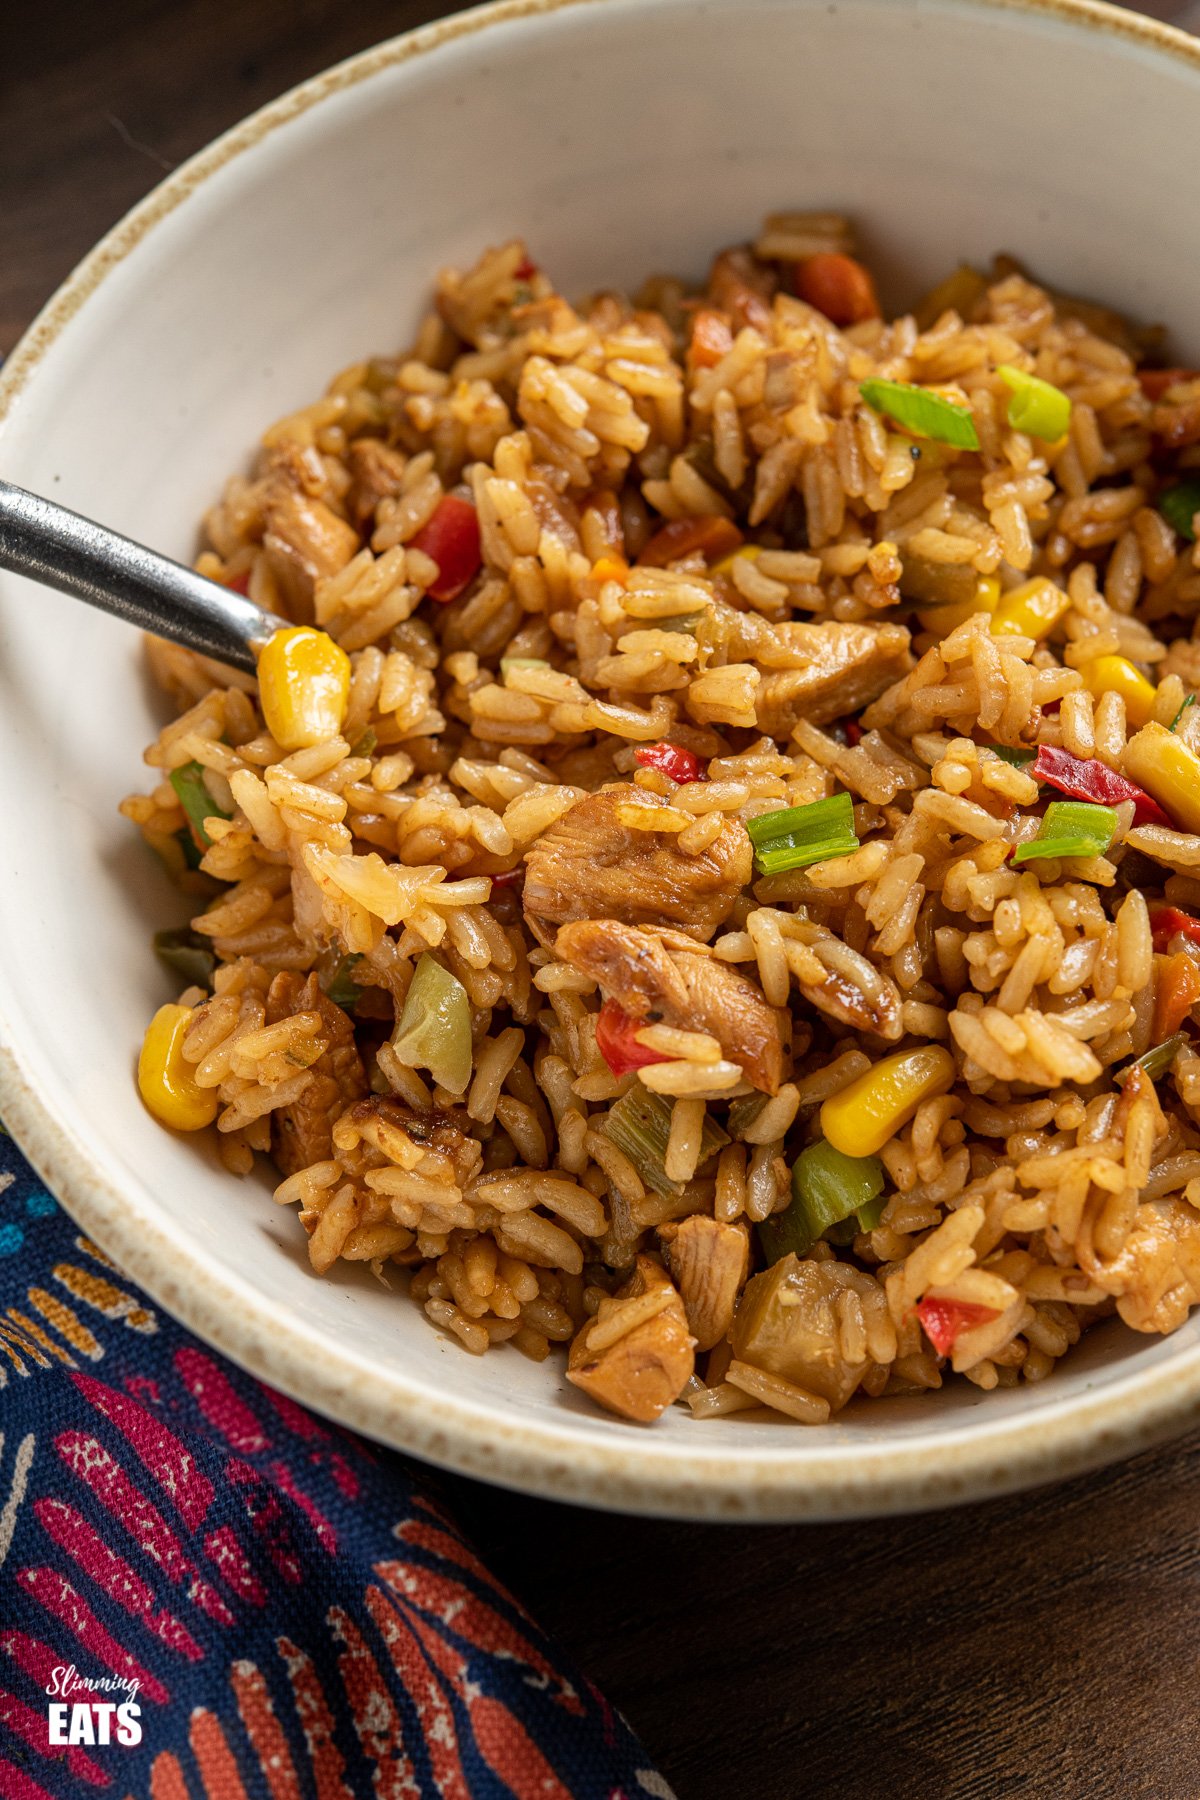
x: 165, y: 1080
x: 303, y: 686
x: 861, y: 1119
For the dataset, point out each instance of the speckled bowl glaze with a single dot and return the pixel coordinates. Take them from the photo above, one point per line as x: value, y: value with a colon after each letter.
x: 618, y: 136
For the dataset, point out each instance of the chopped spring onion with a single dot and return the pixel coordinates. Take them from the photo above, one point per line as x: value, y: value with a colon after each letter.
x: 340, y: 988
x: 799, y: 835
x: 1017, y: 758
x: 828, y: 1190
x: 1177, y: 721
x: 365, y: 744
x: 639, y: 1124
x: 1157, y: 1061
x: 434, y: 1030
x: 1071, y: 828
x: 921, y: 411
x: 195, y: 799
x: 1036, y: 407
x: 186, y: 954
x: 1179, y: 506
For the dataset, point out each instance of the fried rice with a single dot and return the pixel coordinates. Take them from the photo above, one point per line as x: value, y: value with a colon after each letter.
x: 500, y: 974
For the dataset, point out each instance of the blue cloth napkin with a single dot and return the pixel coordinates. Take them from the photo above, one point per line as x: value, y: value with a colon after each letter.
x: 206, y: 1593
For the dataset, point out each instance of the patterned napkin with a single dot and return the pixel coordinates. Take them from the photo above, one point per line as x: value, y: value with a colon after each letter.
x: 208, y: 1594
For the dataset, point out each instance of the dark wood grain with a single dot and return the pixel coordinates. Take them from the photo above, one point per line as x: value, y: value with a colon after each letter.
x: 1046, y: 1647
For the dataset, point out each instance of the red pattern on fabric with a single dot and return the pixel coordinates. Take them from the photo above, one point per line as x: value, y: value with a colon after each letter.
x: 65, y: 1527
x: 326, y: 1762
x: 170, y: 1462
x: 225, y: 1552
x: 376, y: 1720
x: 434, y: 1711
x: 257, y: 1713
x: 66, y: 1603
x: 221, y: 1406
x: 34, y: 1728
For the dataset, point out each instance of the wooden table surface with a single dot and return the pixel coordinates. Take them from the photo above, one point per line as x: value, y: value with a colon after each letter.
x: 1045, y: 1646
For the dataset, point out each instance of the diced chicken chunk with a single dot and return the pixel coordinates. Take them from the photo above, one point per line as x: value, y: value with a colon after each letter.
x: 302, y: 1133
x: 304, y: 538
x: 786, y: 1323
x: 741, y: 286
x: 376, y: 473
x: 668, y: 979
x: 636, y: 1356
x: 1156, y: 1277
x: 589, y: 866
x: 814, y: 671
x: 709, y: 1261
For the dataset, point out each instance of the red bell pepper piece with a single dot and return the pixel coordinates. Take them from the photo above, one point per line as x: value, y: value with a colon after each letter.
x: 671, y: 759
x: 837, y: 286
x: 1093, y: 780
x: 1176, y: 992
x: 711, y: 339
x: 508, y: 877
x: 525, y: 270
x: 1155, y: 382
x: 240, y: 584
x: 713, y: 536
x: 1167, y: 922
x: 943, y: 1321
x: 617, y: 1042
x: 451, y: 540
x: 853, y: 731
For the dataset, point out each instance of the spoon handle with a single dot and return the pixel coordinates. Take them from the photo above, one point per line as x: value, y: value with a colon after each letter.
x: 77, y: 556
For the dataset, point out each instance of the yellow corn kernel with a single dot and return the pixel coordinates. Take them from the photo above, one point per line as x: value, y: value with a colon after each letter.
x: 1117, y: 675
x: 1159, y: 762
x: 860, y: 1120
x: 611, y: 568
x: 303, y: 686
x: 944, y: 619
x: 165, y: 1080
x: 751, y: 551
x: 1031, y: 610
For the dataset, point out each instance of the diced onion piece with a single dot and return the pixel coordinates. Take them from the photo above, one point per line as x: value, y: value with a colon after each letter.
x: 434, y: 1030
x: 862, y: 1118
x: 1036, y: 407
x: 922, y: 412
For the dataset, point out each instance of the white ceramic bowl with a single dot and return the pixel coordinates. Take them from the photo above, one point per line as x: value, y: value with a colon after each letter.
x: 618, y: 136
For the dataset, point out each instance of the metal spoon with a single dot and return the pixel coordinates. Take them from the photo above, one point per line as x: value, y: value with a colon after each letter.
x: 79, y: 557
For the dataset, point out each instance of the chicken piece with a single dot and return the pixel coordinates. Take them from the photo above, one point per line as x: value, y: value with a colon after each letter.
x: 815, y: 671
x: 849, y: 988
x: 709, y: 1261
x: 743, y: 287
x: 304, y: 538
x: 636, y: 1355
x: 376, y: 473
x: 1156, y: 1277
x: 589, y: 865
x: 664, y: 977
x: 786, y: 1322
x: 302, y: 1133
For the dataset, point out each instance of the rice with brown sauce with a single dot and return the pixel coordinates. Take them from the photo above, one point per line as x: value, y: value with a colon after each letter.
x: 693, y: 530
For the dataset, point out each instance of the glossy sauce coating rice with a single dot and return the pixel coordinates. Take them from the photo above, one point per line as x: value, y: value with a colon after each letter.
x: 517, y: 977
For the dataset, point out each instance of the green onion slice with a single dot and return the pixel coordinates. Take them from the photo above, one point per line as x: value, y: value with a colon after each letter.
x: 799, y: 835
x: 920, y: 411
x: 340, y: 988
x: 1177, y: 721
x: 1179, y: 506
x: 1071, y: 828
x: 1036, y: 407
x: 365, y: 744
x: 195, y: 799
x: 186, y: 954
x: 639, y: 1124
x: 1017, y: 758
x: 434, y: 1030
x: 828, y: 1191
x: 1158, y: 1060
